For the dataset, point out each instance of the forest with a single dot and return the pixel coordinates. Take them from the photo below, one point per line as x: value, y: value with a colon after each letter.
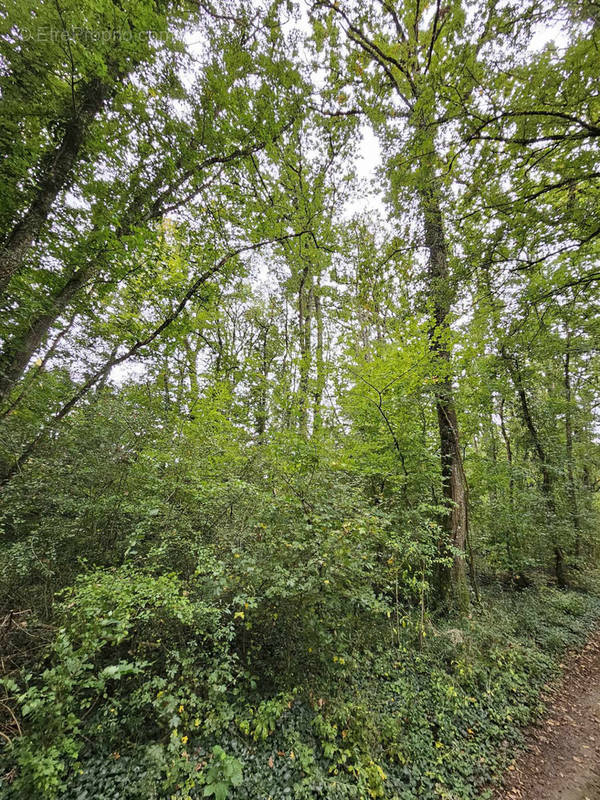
x: 299, y: 392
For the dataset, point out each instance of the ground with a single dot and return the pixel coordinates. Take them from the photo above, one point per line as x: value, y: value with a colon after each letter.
x: 562, y: 756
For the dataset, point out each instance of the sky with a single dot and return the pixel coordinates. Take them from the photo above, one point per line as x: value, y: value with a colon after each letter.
x: 368, y: 158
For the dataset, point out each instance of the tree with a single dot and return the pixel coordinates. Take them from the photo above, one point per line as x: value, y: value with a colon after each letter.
x: 416, y: 61
x: 234, y: 109
x: 49, y: 61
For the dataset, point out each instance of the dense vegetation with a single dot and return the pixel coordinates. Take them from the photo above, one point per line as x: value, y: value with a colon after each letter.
x: 299, y: 382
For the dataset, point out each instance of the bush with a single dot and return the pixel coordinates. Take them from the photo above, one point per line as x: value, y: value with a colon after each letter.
x: 137, y: 658
x: 144, y: 694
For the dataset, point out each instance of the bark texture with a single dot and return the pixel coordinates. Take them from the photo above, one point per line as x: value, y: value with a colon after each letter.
x: 54, y: 176
x: 547, y: 477
x: 453, y: 581
x: 569, y: 443
x: 20, y: 349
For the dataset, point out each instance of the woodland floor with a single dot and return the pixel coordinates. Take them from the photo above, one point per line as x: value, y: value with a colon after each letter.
x: 562, y: 756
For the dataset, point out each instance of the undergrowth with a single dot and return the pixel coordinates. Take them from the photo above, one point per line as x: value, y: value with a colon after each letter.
x: 122, y: 712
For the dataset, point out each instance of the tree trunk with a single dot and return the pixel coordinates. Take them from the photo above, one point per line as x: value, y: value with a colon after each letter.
x: 571, y: 489
x: 511, y: 479
x: 508, y: 446
x: 535, y: 437
x: 304, y: 334
x: 191, y: 357
x: 320, y: 364
x: 453, y: 580
x: 20, y: 349
x: 16, y: 401
x: 55, y: 175
x: 261, y: 400
x: 547, y: 481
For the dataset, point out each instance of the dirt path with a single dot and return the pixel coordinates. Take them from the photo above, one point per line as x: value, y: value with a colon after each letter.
x: 562, y: 760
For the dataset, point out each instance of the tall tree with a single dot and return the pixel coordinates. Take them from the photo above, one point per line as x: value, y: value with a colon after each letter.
x: 160, y: 163
x: 74, y: 58
x: 424, y: 56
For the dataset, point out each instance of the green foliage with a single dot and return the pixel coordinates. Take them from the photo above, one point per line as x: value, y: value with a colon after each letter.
x: 224, y: 772
x: 135, y: 654
x: 442, y: 720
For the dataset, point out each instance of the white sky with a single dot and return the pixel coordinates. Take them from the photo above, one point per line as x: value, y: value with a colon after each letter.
x: 367, y: 160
